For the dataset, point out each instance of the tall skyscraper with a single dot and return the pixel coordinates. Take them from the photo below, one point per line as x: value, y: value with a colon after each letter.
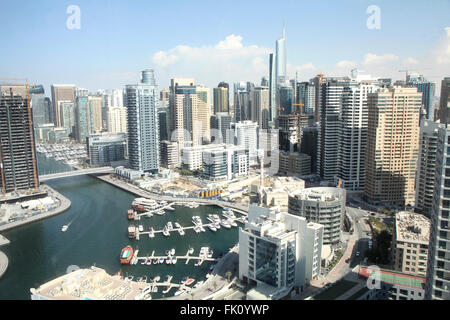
x: 286, y: 100
x: 96, y: 109
x: 343, y: 129
x: 444, y: 115
x: 221, y: 122
x: 39, y: 105
x: 61, y: 92
x: 245, y: 133
x: 18, y: 166
x: 221, y: 100
x: 317, y: 81
x: 426, y: 167
x: 67, y: 113
x: 392, y: 145
x: 176, y: 103
x: 83, y: 119
x: 260, y: 111
x: 117, y: 119
x: 427, y: 88
x: 241, y: 102
x: 280, y: 57
x: 437, y: 286
x: 272, y: 88
x: 143, y: 130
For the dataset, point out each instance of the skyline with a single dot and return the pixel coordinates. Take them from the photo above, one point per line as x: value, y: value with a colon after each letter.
x: 110, y: 49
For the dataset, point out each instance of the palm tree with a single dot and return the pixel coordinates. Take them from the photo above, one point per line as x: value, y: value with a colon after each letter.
x: 214, y: 284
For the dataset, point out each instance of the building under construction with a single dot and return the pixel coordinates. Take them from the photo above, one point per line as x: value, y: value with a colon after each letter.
x: 18, y: 165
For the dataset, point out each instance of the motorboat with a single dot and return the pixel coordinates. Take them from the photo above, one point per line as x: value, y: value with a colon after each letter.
x: 155, y: 261
x: 181, y: 232
x: 166, y: 232
x: 191, y: 250
x: 149, y: 261
x: 172, y: 252
x: 141, y: 228
x: 177, y: 225
x: 161, y: 260
x: 225, y: 224
x: 217, y: 225
x: 232, y: 223
x: 174, y: 260
x: 167, y: 252
x: 64, y: 228
x: 169, y: 226
x: 168, y: 260
x: 198, y: 284
x: 197, y: 229
x: 212, y: 227
x: 202, y: 229
x: 189, y: 282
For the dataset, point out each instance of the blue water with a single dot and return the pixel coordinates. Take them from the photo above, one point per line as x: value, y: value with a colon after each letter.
x: 40, y: 252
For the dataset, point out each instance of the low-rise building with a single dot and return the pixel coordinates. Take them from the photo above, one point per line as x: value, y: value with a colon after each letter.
x: 225, y: 163
x: 106, y: 149
x: 278, y: 251
x: 89, y: 284
x: 410, y: 243
x: 294, y: 164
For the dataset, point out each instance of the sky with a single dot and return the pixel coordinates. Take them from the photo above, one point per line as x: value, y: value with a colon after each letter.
x: 214, y: 41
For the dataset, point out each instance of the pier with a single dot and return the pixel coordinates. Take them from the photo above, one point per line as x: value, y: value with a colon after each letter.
x: 185, y: 228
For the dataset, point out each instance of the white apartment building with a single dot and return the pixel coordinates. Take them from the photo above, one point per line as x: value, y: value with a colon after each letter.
x: 245, y: 133
x: 279, y: 251
x: 117, y: 119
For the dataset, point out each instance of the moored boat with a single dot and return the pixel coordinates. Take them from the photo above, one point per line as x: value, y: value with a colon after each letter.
x: 126, y: 255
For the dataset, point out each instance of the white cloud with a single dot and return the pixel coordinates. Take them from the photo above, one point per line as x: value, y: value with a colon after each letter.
x: 230, y: 42
x: 346, y: 64
x: 371, y: 58
x: 411, y: 61
x: 229, y: 60
x: 164, y: 59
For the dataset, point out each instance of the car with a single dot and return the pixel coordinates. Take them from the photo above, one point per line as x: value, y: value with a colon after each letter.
x: 357, y: 254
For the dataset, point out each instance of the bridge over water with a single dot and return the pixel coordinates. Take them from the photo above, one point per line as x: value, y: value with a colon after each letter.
x: 65, y: 174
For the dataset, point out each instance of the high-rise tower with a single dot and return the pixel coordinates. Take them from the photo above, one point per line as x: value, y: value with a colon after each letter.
x: 143, y: 130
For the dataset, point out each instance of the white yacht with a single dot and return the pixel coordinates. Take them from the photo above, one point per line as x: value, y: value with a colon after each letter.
x: 191, y: 250
x: 225, y: 224
x: 177, y: 225
x: 165, y: 232
x: 64, y: 228
x: 141, y: 228
x: 212, y: 227
x: 172, y: 252
x: 202, y: 229
x: 232, y: 223
x: 197, y: 229
x: 181, y: 232
x: 169, y: 226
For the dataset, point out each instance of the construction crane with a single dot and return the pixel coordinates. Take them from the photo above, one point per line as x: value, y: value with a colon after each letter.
x: 294, y: 104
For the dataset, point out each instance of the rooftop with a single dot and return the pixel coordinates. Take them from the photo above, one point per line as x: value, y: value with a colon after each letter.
x: 318, y: 194
x: 90, y: 284
x: 412, y: 227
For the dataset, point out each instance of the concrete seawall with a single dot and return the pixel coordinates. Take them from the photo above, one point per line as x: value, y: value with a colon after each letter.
x: 64, y: 205
x: 3, y: 263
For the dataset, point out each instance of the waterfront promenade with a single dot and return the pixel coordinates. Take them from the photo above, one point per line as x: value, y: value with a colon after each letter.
x: 147, y: 194
x: 64, y: 204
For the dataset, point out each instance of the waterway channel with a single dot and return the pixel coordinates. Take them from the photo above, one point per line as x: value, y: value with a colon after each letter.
x: 40, y: 252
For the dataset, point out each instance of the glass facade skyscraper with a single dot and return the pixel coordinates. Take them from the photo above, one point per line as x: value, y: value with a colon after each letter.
x: 143, y: 128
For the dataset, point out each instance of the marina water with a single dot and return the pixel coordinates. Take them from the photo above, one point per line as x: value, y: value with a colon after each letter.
x: 40, y: 252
